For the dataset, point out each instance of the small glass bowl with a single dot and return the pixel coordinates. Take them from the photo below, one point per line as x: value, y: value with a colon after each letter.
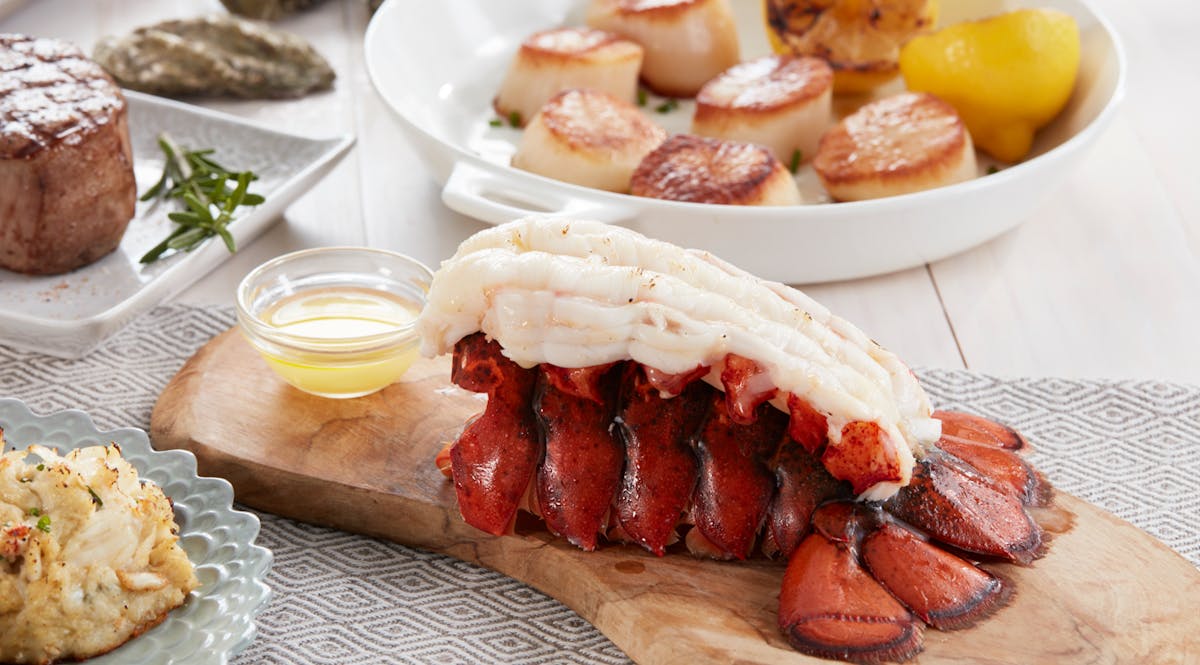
x: 335, y: 321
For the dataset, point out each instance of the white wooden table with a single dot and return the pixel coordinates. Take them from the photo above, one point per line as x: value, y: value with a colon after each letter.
x: 1103, y: 281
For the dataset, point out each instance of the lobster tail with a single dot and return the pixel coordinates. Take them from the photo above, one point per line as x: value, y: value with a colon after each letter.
x: 494, y: 459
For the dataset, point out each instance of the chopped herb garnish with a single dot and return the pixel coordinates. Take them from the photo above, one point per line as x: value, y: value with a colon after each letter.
x: 41, y: 467
x: 641, y: 97
x: 34, y: 512
x: 495, y: 122
x: 43, y: 524
x: 99, y: 502
x: 667, y: 106
x: 795, y: 163
x: 993, y: 169
x: 514, y: 118
x: 211, y: 193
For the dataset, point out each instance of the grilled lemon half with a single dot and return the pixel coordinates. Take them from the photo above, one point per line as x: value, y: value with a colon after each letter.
x: 860, y: 39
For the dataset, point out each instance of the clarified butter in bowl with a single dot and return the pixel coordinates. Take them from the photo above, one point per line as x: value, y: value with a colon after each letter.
x: 337, y: 321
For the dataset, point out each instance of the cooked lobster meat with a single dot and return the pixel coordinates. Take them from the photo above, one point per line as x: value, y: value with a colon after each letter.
x: 645, y: 394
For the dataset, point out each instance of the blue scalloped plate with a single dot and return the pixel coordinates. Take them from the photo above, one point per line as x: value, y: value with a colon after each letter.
x: 217, y: 620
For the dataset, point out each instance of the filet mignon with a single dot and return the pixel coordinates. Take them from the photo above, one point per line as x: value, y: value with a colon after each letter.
x: 67, y: 189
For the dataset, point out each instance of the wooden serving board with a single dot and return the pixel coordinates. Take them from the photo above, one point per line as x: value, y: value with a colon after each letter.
x: 1106, y: 593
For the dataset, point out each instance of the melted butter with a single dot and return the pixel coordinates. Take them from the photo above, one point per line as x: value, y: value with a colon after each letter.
x: 336, y: 360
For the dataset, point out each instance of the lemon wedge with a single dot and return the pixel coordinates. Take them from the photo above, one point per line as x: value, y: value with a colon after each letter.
x: 1008, y: 75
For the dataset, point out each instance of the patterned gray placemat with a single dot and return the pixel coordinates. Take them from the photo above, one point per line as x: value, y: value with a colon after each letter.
x: 1130, y: 447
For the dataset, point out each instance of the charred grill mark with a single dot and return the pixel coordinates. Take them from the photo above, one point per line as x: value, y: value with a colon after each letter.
x: 787, y: 18
x: 777, y: 16
x: 49, y: 93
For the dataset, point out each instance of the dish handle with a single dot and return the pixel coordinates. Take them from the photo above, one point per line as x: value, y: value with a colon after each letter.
x: 497, y: 198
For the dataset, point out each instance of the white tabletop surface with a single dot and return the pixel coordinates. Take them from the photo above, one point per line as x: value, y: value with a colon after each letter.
x: 1103, y: 281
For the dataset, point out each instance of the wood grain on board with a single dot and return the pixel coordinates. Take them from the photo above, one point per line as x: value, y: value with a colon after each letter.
x: 1106, y: 592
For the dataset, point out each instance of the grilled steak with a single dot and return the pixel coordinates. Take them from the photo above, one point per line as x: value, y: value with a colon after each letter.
x: 67, y: 189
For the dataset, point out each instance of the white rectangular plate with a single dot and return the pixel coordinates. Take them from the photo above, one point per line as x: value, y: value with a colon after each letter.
x: 69, y: 315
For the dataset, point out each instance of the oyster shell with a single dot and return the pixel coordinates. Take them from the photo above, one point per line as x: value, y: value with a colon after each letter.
x: 267, y: 10
x: 215, y: 56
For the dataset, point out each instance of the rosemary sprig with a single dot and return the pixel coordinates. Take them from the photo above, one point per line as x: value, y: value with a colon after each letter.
x: 210, y: 193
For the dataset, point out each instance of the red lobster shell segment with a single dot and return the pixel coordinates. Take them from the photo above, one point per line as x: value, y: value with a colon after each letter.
x: 801, y: 485
x: 581, y: 468
x: 958, y: 509
x: 660, y: 467
x: 496, y: 456
x: 830, y: 606
x: 606, y: 451
x: 942, y: 589
x: 980, y: 431
x: 733, y: 463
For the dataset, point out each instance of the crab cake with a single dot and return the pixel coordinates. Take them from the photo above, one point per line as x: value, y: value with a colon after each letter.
x: 89, y: 554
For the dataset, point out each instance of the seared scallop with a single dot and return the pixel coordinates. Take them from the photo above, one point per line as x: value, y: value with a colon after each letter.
x: 589, y: 138
x: 687, y: 42
x: 555, y: 60
x: 781, y: 102
x: 897, y: 145
x: 697, y: 169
